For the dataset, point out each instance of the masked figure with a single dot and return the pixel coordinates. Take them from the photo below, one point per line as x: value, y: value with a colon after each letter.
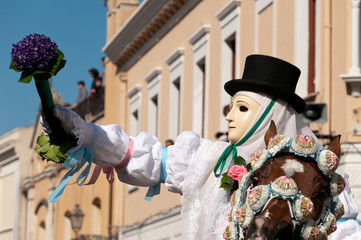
x: 192, y: 165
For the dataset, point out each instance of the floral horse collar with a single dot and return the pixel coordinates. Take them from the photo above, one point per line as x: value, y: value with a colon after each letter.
x: 247, y: 201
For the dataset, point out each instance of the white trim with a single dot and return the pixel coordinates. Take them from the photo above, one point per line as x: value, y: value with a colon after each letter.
x: 199, y: 34
x: 131, y: 188
x: 153, y: 80
x: 134, y: 105
x: 134, y: 90
x: 153, y: 74
x: 200, y: 47
x: 274, y: 4
x: 165, y: 225
x: 228, y: 9
x: 353, y: 78
x: 230, y: 25
x: 317, y: 46
x: 301, y: 44
x: 175, y: 55
x: 262, y: 5
x: 12, y: 168
x: 175, y: 94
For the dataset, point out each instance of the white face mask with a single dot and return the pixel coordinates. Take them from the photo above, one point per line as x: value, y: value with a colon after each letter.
x: 243, y: 110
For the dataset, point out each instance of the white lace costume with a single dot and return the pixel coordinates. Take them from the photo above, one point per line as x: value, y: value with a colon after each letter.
x: 190, y: 165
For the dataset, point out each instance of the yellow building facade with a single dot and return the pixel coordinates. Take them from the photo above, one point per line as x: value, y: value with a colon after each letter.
x: 43, y: 220
x: 167, y: 62
x: 15, y: 159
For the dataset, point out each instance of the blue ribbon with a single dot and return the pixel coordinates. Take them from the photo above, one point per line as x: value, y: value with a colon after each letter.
x: 74, y: 162
x: 155, y: 190
x: 342, y: 220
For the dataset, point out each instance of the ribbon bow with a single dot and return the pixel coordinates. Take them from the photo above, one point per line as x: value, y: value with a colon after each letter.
x: 218, y: 169
x: 74, y: 162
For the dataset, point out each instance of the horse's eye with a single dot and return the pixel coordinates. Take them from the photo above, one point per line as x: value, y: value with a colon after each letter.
x: 254, y: 181
x: 243, y: 109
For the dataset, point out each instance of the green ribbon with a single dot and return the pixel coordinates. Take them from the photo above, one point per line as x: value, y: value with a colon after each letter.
x: 232, y: 147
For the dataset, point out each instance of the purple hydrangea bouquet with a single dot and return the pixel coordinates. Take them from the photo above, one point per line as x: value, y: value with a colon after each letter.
x: 36, y: 56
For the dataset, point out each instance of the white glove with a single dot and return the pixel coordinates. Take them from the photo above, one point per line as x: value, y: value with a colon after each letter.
x: 67, y: 118
x: 109, y: 144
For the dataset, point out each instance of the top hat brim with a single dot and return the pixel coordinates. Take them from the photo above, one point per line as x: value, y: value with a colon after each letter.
x: 233, y: 86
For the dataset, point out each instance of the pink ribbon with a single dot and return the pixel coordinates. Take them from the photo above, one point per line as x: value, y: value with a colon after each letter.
x: 109, y: 170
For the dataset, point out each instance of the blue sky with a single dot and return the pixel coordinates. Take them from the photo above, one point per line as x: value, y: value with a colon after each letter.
x: 79, y: 29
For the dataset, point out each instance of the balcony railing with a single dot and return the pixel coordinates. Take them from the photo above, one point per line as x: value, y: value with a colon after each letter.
x: 92, y: 109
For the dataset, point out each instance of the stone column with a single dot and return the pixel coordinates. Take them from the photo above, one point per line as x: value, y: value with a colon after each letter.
x: 355, y: 68
x: 353, y: 78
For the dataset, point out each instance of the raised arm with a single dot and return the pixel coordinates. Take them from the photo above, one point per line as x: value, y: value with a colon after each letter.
x: 109, y: 145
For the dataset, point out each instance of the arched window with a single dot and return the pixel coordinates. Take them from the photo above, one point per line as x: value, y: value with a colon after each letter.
x: 41, y: 212
x: 96, y: 221
x: 41, y: 231
x: 67, y: 226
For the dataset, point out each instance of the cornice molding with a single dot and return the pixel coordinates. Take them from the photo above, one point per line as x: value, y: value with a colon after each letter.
x: 262, y: 5
x: 355, y: 3
x: 228, y: 9
x: 353, y: 83
x: 145, y: 28
x: 199, y: 34
x: 49, y: 172
x: 134, y: 90
x: 176, y: 54
x: 153, y: 219
x: 153, y: 74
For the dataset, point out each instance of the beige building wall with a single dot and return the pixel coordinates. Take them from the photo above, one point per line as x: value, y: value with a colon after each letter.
x: 15, y: 156
x: 279, y: 28
x: 46, y: 220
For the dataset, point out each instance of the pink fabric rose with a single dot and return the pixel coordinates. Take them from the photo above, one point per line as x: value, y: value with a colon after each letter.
x: 236, y: 172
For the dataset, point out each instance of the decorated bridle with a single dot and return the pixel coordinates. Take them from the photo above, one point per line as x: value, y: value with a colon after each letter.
x: 248, y: 200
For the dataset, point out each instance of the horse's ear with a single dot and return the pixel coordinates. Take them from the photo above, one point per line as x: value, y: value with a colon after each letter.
x: 335, y: 145
x: 272, y: 130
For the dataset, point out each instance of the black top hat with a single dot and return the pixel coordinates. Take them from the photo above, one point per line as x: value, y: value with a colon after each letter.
x: 269, y: 75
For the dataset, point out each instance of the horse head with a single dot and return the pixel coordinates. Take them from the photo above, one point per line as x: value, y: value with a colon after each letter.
x: 291, y: 193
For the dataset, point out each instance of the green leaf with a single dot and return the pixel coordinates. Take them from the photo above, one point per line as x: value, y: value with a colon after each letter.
x: 60, y: 63
x: 58, y: 153
x: 25, y: 77
x: 58, y: 67
x: 44, y: 149
x: 249, y: 167
x: 39, y: 72
x: 51, y: 154
x: 42, y: 139
x: 226, y: 186
x: 239, y: 161
x: 60, y: 53
x: 12, y: 66
x: 226, y: 179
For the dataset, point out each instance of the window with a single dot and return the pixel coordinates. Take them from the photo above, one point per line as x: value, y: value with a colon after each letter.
x: 9, y: 205
x: 134, y: 115
x: 304, y: 45
x: 96, y: 217
x: 67, y: 226
x: 199, y: 41
x: 153, y: 95
x: 175, y: 62
x: 230, y: 69
x: 265, y: 40
x: 41, y: 231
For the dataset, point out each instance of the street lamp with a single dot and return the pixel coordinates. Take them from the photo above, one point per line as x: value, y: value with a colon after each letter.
x: 76, y: 219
